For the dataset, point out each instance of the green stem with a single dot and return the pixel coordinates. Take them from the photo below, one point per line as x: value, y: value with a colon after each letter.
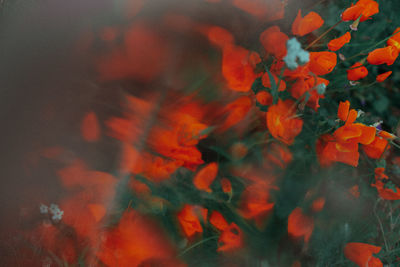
x: 197, y: 244
x: 322, y: 35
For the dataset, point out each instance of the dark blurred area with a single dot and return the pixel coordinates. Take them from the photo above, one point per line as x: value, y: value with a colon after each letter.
x: 60, y: 59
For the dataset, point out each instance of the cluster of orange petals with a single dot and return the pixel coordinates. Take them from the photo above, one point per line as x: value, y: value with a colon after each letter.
x: 363, y: 8
x: 362, y: 254
x: 282, y: 121
x: 386, y: 193
x: 342, y: 145
x: 191, y: 218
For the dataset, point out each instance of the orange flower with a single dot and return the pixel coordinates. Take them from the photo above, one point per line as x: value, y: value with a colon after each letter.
x: 322, y: 63
x: 300, y: 225
x: 384, y: 192
x: 218, y: 221
x: 308, y: 84
x: 381, y: 77
x: 282, y: 122
x: 264, y: 98
x: 363, y: 8
x: 386, y: 55
x: 361, y: 254
x: 90, y: 128
x: 279, y: 155
x: 237, y: 111
x: 189, y: 219
x: 255, y: 201
x: 231, y: 238
x: 226, y: 185
x: 337, y: 43
x: 311, y: 22
x: 274, y: 41
x: 237, y: 67
x: 137, y: 240
x: 375, y: 149
x: 267, y: 82
x: 357, y: 72
x: 205, y: 177
x: 342, y: 146
x: 395, y: 39
x: 218, y: 36
x: 343, y: 110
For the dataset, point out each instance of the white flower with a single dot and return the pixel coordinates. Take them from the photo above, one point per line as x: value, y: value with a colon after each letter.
x: 54, y: 208
x: 360, y: 113
x: 43, y: 209
x: 57, y: 216
x: 321, y: 88
x: 295, y: 54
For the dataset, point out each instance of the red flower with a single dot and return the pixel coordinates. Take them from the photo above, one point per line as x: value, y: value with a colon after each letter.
x: 361, y: 254
x: 264, y: 98
x: 311, y: 22
x: 395, y: 39
x: 231, y: 238
x: 384, y: 192
x: 267, y: 82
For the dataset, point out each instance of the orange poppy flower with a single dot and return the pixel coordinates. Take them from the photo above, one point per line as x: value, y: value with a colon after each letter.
x: 204, y: 178
x: 342, y: 146
x: 375, y: 149
x: 343, y: 110
x: 255, y: 201
x: 90, y: 128
x: 381, y: 77
x: 264, y: 98
x: 338, y: 43
x: 226, y: 185
x: 188, y: 218
x: 384, y: 192
x: 308, y: 84
x: 361, y: 254
x: 274, y: 41
x: 267, y: 82
x: 300, y: 225
x: 386, y: 55
x: 237, y: 67
x: 237, y: 111
x: 322, y: 63
x: 231, y: 238
x: 218, y: 221
x: 363, y: 8
x: 282, y: 122
x: 311, y: 22
x: 395, y: 39
x: 357, y: 72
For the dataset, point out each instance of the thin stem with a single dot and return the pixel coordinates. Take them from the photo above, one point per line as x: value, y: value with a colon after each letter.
x: 197, y: 244
x: 322, y: 35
